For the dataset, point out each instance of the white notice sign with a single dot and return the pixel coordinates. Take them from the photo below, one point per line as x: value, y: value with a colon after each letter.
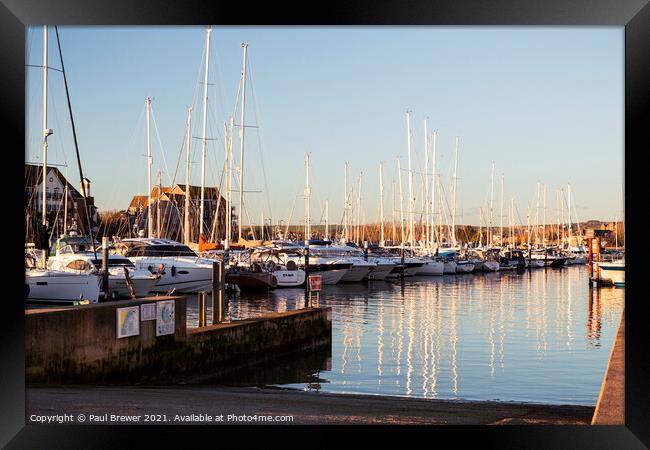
x: 147, y: 311
x: 128, y: 321
x: 165, y: 317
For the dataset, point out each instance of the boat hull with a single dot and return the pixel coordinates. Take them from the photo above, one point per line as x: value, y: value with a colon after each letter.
x: 432, y: 268
x: 46, y: 286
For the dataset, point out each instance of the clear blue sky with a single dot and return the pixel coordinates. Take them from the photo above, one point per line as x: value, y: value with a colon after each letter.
x: 544, y: 103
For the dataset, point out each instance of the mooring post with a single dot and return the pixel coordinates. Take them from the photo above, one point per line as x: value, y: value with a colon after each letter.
x: 201, y: 309
x: 365, y: 250
x: 105, y: 267
x: 402, y: 259
x: 307, y: 299
x: 217, y: 291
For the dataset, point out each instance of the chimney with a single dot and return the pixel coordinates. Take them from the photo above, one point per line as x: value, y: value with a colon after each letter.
x: 85, y: 187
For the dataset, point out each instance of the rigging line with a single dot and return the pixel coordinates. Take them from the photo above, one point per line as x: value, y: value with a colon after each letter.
x: 219, y: 196
x: 259, y: 138
x: 76, y: 145
x: 162, y: 149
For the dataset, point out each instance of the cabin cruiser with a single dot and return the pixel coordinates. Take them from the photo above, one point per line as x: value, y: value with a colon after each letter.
x: 74, y: 254
x: 58, y: 287
x: 613, y: 270
x: 551, y: 256
x: 431, y: 266
x: 330, y: 269
x: 489, y: 259
x: 343, y: 253
x: 392, y: 263
x: 513, y: 259
x: 408, y: 266
x: 179, y: 267
x: 287, y: 275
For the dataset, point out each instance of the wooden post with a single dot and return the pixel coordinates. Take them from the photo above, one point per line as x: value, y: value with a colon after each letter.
x: 105, y: 267
x: 201, y: 309
x: 307, y: 293
x: 217, y: 291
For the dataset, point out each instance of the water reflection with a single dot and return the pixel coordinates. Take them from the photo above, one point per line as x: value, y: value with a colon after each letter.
x: 540, y: 336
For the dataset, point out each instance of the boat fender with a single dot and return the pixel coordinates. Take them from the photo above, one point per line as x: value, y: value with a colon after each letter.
x: 173, y: 271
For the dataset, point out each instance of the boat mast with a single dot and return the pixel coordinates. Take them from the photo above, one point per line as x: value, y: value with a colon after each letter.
x: 501, y: 215
x: 229, y: 184
x: 241, y: 141
x: 149, y: 164
x: 327, y: 219
x: 569, y: 211
x: 537, y: 195
x: 426, y: 185
x: 381, y: 203
x: 453, y: 213
x: 46, y: 131
x: 433, y: 188
x: 345, y: 201
x: 410, y: 179
x: 158, y: 208
x: 188, y: 138
x: 359, y: 234
x: 307, y: 200
x: 204, y: 150
x: 490, y: 237
x: 65, y: 201
x: 544, y: 219
x: 401, y: 197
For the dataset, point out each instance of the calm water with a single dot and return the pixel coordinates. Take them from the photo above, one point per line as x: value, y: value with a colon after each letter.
x: 541, y: 336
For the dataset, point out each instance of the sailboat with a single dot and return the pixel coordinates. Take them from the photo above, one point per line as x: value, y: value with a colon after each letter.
x: 43, y: 285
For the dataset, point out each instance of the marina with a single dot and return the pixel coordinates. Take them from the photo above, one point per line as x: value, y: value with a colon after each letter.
x: 427, y: 272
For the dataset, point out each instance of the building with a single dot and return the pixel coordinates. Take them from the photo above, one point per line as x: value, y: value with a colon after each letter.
x: 168, y: 210
x: 54, y: 203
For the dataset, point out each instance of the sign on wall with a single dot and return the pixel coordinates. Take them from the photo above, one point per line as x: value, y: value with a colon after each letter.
x: 147, y: 311
x: 165, y: 317
x: 128, y: 321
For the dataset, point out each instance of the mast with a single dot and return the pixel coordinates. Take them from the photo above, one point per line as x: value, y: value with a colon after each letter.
x: 149, y: 164
x: 401, y: 197
x: 327, y: 219
x: 229, y: 184
x: 307, y: 200
x: 204, y: 142
x: 393, y: 210
x: 381, y: 203
x: 359, y: 234
x: 426, y: 184
x: 537, y: 214
x: 65, y: 201
x: 188, y: 138
x: 410, y: 179
x: 569, y: 211
x: 501, y: 215
x: 433, y: 187
x: 453, y: 213
x: 46, y: 131
x: 241, y: 141
x: 490, y: 237
x: 158, y: 208
x: 345, y: 201
x: 544, y: 219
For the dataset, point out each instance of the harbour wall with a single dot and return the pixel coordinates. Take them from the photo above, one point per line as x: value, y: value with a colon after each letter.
x: 80, y: 344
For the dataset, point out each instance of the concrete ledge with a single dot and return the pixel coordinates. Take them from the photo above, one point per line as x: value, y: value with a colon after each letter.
x: 610, y: 409
x: 79, y: 344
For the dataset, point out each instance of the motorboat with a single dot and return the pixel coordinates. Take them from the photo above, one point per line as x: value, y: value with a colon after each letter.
x: 74, y: 254
x: 287, y: 275
x: 58, y: 287
x: 330, y: 269
x: 179, y: 267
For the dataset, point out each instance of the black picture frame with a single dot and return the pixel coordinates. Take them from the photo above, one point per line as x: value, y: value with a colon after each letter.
x: 634, y: 15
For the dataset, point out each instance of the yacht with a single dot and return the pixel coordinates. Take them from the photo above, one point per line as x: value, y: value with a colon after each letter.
x: 57, y: 287
x: 74, y: 254
x: 613, y: 271
x: 331, y: 269
x: 179, y: 267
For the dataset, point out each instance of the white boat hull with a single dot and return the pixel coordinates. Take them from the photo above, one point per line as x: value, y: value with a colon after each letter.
x: 464, y: 268
x: 449, y: 267
x: 356, y: 273
x: 49, y: 286
x: 290, y: 278
x: 614, y: 272
x: 490, y: 266
x: 381, y: 271
x: 181, y: 275
x: 432, y: 268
